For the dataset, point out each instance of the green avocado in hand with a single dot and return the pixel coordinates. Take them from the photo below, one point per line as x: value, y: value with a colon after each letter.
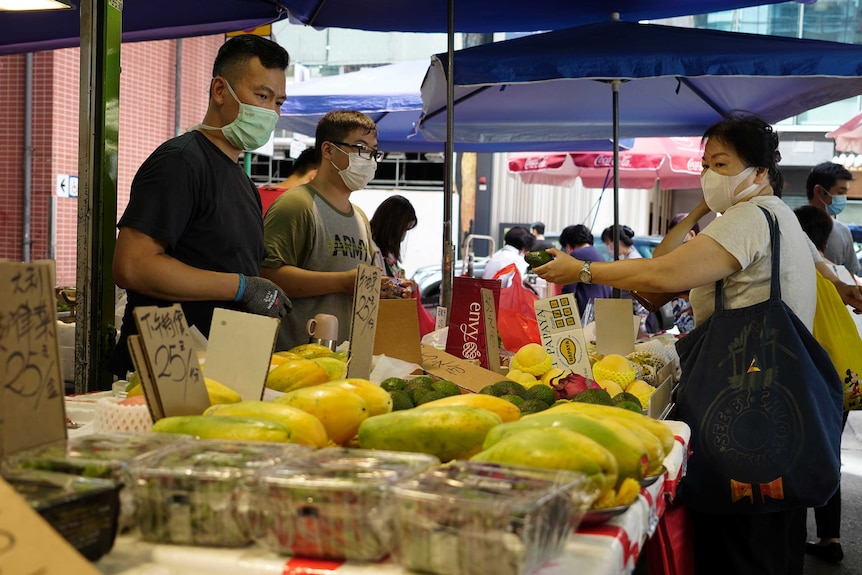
x: 536, y: 259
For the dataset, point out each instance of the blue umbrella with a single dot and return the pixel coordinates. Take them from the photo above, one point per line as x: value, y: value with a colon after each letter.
x: 671, y: 82
x: 390, y: 96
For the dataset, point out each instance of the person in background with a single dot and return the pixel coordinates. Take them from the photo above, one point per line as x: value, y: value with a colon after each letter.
x: 518, y: 241
x: 315, y: 237
x: 540, y: 243
x: 577, y: 241
x: 192, y: 232
x: 304, y: 169
x: 740, y: 175
x: 827, y: 186
x: 627, y: 250
x: 391, y: 221
x: 818, y: 224
x: 683, y: 317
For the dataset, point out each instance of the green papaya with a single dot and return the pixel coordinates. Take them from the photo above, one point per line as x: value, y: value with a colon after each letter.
x: 536, y: 259
x: 224, y: 427
x: 555, y: 448
x: 656, y: 427
x: 449, y: 432
x: 627, y: 448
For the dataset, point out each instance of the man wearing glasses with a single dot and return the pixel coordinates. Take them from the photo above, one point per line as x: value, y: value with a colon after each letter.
x: 315, y: 237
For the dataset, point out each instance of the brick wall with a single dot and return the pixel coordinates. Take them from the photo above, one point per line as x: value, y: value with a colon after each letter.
x: 147, y: 103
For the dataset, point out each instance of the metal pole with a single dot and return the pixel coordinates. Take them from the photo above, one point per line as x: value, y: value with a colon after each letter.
x: 449, y: 167
x: 26, y: 213
x: 615, y: 89
x: 99, y: 113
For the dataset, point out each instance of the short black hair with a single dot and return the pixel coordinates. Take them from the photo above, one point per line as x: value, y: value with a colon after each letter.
x: 754, y: 141
x: 816, y: 223
x: 237, y: 51
x: 519, y: 237
x: 626, y: 235
x: 335, y: 126
x: 539, y: 227
x: 576, y: 235
x: 826, y: 175
x: 305, y: 162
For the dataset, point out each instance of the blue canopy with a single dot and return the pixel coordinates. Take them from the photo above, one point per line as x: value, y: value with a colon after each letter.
x: 160, y: 19
x: 492, y: 15
x: 673, y: 82
x: 390, y: 96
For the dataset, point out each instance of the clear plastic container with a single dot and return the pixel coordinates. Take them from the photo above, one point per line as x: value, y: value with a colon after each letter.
x: 83, y: 510
x: 334, y: 504
x: 192, y: 494
x: 473, y: 519
x: 101, y: 455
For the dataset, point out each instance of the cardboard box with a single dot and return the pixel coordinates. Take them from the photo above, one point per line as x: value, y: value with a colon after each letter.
x: 398, y: 330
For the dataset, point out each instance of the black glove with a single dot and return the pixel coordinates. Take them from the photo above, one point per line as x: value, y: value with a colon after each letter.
x: 261, y: 296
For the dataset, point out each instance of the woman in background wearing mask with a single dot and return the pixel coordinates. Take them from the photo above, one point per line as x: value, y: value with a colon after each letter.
x: 740, y: 175
x: 315, y: 237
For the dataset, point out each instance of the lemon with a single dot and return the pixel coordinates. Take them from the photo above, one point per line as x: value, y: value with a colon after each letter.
x: 533, y: 359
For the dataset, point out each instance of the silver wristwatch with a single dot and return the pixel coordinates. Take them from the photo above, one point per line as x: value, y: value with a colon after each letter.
x: 585, y: 276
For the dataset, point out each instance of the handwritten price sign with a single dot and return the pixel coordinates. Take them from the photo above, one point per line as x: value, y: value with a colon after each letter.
x: 363, y: 324
x: 31, y: 383
x: 172, y: 361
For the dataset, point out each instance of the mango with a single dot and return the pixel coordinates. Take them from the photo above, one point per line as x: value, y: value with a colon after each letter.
x: 536, y: 259
x: 341, y: 411
x: 376, y: 398
x: 531, y: 358
x: 625, y: 445
x: 311, y: 350
x: 555, y: 448
x: 304, y: 428
x: 447, y: 432
x: 296, y: 374
x: 216, y: 427
x: 656, y: 427
x: 507, y: 410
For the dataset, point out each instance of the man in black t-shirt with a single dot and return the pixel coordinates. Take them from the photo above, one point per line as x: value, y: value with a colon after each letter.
x: 192, y: 232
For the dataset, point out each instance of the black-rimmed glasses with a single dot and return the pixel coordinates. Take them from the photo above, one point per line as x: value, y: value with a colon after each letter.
x: 364, y: 152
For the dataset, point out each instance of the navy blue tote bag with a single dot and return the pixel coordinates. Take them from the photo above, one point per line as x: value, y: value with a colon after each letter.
x: 764, y: 404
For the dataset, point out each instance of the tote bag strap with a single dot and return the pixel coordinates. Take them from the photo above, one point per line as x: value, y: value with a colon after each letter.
x: 774, y: 280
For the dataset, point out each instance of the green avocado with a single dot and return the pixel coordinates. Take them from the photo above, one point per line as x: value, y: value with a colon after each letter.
x: 536, y: 259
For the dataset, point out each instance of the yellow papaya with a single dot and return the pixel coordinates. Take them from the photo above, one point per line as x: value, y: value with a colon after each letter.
x: 304, y: 428
x: 625, y: 445
x: 296, y: 374
x: 217, y: 392
x: 376, y: 398
x: 311, y: 350
x: 506, y: 410
x: 656, y: 427
x: 652, y: 443
x: 447, y: 432
x: 555, y: 448
x: 336, y: 368
x: 216, y: 427
x: 339, y: 410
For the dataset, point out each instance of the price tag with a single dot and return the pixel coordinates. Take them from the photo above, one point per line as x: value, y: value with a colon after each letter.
x: 171, y: 360
x: 240, y: 350
x: 363, y: 323
x: 492, y: 337
x: 28, y: 544
x: 32, y: 410
x: 441, y: 317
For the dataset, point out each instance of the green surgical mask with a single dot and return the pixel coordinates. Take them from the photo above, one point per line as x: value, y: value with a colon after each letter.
x: 251, y: 129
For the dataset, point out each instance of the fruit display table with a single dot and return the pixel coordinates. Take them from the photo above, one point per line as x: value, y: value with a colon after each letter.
x: 608, y: 548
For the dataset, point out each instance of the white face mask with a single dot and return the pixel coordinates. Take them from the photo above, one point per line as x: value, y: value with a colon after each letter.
x: 718, y: 189
x: 359, y: 171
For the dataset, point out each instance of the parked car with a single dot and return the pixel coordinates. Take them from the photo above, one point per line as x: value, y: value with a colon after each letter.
x: 428, y: 278
x: 856, y: 232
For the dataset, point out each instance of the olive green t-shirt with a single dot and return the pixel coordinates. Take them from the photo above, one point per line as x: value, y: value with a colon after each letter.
x: 302, y: 229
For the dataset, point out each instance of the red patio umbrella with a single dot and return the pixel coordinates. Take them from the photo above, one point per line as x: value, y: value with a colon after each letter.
x: 675, y: 162
x: 848, y: 136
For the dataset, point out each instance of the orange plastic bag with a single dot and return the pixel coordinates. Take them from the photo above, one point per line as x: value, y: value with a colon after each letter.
x: 516, y: 318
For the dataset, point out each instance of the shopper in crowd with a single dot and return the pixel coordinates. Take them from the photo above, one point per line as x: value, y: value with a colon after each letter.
x: 740, y: 175
x: 303, y: 171
x: 192, y: 232
x: 518, y: 241
x: 315, y: 237
x: 683, y: 316
x: 827, y: 186
x: 539, y: 243
x: 818, y: 225
x: 577, y: 241
x: 627, y: 249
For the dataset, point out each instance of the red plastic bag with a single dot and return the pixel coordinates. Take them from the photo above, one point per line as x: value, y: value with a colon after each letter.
x: 516, y: 318
x: 426, y: 320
